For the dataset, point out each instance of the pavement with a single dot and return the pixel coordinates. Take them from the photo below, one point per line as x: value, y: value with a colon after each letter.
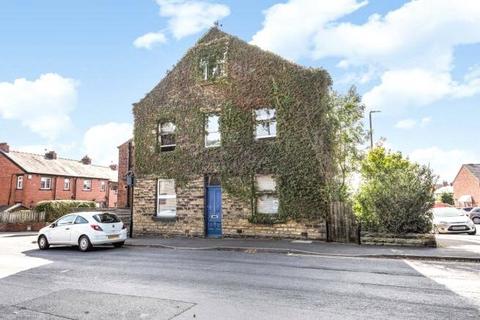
x: 450, y: 247
x: 155, y: 283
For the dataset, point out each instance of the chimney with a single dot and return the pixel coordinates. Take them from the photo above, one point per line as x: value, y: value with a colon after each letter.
x: 86, y: 160
x: 4, y: 147
x: 113, y: 167
x: 51, y: 155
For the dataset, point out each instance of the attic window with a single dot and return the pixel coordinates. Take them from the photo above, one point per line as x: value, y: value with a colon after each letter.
x: 212, y: 67
x: 166, y: 136
x: 266, y: 123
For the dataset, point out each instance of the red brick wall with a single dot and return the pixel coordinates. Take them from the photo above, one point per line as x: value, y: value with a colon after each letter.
x: 466, y: 184
x: 125, y: 163
x: 8, y: 192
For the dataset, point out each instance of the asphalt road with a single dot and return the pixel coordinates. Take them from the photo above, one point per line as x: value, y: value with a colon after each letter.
x: 147, y: 283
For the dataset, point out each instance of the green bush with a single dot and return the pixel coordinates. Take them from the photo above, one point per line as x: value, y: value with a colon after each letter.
x: 54, y: 209
x: 447, y: 198
x: 395, y: 195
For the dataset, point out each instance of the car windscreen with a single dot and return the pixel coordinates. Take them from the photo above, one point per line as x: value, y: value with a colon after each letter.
x: 447, y: 212
x: 106, y: 218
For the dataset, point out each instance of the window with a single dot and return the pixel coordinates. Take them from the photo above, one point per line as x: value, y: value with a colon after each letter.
x: 267, y: 199
x: 87, y: 185
x: 212, y: 131
x: 166, y: 198
x: 102, y: 186
x: 266, y: 123
x: 19, y: 182
x: 80, y: 220
x: 213, y: 66
x: 106, y: 218
x: 166, y: 136
x: 66, y: 184
x: 66, y: 220
x: 45, y: 183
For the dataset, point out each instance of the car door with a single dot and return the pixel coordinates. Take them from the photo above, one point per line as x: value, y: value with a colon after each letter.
x: 80, y: 226
x: 60, y: 234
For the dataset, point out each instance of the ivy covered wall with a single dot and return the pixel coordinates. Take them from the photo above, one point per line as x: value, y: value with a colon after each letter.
x: 241, y: 78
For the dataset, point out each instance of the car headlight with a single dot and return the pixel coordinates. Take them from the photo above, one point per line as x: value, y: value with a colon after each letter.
x: 443, y: 222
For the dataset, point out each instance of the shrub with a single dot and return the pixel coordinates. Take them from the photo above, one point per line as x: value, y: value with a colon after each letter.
x: 447, y: 198
x: 395, y: 195
x: 54, y: 209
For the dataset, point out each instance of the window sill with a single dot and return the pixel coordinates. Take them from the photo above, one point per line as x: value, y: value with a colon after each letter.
x: 265, y: 138
x: 164, y: 219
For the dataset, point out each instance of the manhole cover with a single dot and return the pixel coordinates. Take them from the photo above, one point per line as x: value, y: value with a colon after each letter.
x: 83, y: 304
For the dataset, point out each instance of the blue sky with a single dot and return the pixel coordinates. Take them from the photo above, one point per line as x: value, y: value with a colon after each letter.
x: 70, y: 70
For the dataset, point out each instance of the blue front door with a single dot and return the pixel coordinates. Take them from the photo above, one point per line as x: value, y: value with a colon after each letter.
x: 213, y: 214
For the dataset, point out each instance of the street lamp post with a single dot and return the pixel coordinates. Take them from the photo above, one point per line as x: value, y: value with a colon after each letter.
x: 371, y: 129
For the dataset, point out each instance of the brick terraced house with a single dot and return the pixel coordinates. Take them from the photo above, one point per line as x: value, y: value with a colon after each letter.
x: 27, y: 178
x: 466, y: 186
x: 232, y: 142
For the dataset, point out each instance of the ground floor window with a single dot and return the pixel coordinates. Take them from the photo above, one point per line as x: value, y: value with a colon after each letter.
x: 166, y: 198
x: 266, y: 194
x: 45, y: 183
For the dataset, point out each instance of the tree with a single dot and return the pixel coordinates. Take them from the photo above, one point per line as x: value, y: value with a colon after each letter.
x: 447, y: 198
x: 345, y: 115
x: 395, y: 195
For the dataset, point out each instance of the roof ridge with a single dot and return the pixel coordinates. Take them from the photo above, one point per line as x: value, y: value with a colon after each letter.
x: 58, y: 158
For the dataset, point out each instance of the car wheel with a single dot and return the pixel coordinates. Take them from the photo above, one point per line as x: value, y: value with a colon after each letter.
x: 84, y: 244
x: 119, y: 244
x: 43, y: 243
x: 476, y: 220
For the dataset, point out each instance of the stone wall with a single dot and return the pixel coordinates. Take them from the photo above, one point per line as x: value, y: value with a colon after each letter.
x: 190, y: 216
x: 407, y: 240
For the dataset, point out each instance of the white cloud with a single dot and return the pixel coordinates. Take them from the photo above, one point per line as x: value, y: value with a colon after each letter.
x: 42, y: 105
x: 290, y: 28
x: 444, y: 163
x: 187, y: 17
x: 406, y: 124
x: 148, y: 40
x: 411, y: 47
x: 101, y: 141
x: 425, y: 121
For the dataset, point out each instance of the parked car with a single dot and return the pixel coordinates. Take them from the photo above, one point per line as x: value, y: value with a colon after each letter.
x: 452, y: 220
x: 474, y: 214
x: 84, y: 229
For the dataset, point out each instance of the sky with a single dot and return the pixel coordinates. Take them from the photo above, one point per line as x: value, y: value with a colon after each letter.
x: 71, y: 70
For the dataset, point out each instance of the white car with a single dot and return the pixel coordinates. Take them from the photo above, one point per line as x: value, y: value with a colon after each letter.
x: 452, y: 220
x: 84, y: 229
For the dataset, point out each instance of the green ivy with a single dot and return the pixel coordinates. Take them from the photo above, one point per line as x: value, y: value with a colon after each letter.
x: 300, y: 155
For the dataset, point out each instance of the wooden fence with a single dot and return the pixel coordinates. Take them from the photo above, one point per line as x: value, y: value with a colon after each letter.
x: 341, y: 223
x: 23, y: 216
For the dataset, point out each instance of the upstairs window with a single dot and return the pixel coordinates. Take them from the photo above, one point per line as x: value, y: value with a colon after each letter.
x: 166, y: 198
x: 87, y: 185
x: 212, y: 131
x: 166, y: 136
x: 19, y: 182
x: 45, y: 183
x: 265, y: 123
x: 66, y: 184
x: 266, y: 194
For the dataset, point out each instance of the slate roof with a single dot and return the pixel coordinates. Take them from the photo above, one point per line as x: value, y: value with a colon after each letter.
x: 36, y: 163
x: 474, y: 168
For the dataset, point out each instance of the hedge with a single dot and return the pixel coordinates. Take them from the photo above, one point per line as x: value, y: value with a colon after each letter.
x: 54, y: 209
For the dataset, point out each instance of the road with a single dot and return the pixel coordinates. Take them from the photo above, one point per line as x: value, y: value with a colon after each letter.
x: 151, y: 283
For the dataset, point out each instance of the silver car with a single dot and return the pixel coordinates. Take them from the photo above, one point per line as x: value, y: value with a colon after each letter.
x: 452, y: 220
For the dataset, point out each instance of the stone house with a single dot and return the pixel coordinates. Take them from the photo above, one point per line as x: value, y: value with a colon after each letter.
x: 27, y: 178
x: 233, y: 142
x: 466, y: 186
